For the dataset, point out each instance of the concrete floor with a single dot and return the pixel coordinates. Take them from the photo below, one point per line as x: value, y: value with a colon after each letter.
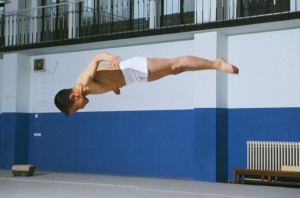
x: 65, y: 185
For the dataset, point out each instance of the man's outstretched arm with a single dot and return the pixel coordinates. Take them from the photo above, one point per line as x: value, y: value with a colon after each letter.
x: 100, y: 57
x: 91, y: 69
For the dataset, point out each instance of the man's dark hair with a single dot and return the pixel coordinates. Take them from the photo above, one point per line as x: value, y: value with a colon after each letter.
x: 62, y: 100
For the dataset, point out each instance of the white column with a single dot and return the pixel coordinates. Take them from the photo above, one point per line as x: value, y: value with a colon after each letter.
x: 210, y: 87
x: 15, y: 83
x: 205, y: 46
x: 9, y: 91
x: 222, y: 78
x: 24, y: 71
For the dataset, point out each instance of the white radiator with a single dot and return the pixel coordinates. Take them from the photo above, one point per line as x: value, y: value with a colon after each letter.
x: 264, y: 155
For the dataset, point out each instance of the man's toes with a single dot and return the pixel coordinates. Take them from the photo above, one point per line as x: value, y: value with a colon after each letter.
x: 235, y: 70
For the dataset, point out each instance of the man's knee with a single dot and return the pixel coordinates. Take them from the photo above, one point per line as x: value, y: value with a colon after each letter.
x: 178, y: 66
x: 175, y: 69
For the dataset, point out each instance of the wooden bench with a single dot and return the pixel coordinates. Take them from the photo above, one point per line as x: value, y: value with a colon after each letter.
x: 266, y: 177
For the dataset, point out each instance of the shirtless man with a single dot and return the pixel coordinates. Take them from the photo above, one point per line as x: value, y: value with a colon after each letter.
x: 101, y: 78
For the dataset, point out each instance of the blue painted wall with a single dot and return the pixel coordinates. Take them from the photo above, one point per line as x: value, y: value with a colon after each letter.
x: 205, y: 145
x: 222, y: 145
x: 202, y: 144
x: 14, y: 131
x: 172, y: 144
x: 144, y: 143
x: 262, y: 124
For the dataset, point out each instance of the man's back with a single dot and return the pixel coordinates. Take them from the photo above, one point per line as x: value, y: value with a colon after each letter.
x: 111, y: 79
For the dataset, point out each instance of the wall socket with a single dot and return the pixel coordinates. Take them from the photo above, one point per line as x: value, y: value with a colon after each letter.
x: 37, y: 134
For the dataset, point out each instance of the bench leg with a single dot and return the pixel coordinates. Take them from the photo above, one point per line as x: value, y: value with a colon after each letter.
x: 234, y: 177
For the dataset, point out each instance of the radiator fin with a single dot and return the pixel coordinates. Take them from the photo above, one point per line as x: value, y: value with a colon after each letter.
x: 266, y: 155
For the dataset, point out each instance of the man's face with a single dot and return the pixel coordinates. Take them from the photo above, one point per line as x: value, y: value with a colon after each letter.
x: 79, y: 103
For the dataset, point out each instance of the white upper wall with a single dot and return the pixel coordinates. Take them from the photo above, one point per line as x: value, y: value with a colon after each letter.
x: 269, y: 69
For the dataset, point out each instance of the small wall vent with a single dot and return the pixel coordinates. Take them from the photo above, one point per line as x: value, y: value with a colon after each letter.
x: 39, y: 64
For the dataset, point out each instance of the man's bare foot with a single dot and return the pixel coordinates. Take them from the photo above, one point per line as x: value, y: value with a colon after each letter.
x: 223, y: 66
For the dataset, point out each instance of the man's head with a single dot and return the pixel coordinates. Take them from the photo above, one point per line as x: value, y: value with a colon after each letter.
x: 63, y: 101
x: 70, y: 101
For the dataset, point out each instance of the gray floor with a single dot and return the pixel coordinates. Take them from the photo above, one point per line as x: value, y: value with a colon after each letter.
x: 56, y: 185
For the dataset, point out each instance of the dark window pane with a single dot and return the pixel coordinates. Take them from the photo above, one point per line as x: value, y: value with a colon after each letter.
x: 261, y: 7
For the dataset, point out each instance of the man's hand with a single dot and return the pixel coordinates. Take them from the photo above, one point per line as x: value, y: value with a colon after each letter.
x: 112, y: 59
x: 116, y: 62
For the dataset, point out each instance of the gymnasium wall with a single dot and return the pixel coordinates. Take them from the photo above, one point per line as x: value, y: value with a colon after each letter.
x: 194, y: 125
x: 148, y: 130
x: 264, y: 102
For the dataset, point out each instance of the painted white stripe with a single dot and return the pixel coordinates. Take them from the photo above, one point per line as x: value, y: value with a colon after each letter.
x: 135, y: 188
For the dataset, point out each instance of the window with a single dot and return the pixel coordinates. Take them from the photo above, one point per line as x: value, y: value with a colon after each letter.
x: 107, y: 16
x: 1, y: 8
x: 55, y: 19
x: 177, y: 12
x: 261, y: 7
x: 2, y: 23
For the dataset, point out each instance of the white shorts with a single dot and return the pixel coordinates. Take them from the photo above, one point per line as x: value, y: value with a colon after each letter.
x: 134, y: 70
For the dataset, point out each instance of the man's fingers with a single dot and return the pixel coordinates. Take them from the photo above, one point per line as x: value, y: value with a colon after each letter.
x: 118, y: 59
x: 115, y: 65
x: 116, y: 62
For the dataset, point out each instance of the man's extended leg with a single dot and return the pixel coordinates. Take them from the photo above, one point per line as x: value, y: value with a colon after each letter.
x: 159, y: 67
